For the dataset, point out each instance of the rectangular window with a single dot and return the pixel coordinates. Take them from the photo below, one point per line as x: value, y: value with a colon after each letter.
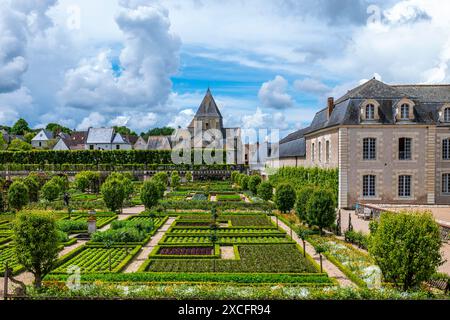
x: 320, y: 151
x: 404, y: 148
x: 313, y: 151
x: 118, y: 147
x: 446, y: 149
x: 369, y: 186
x: 404, y: 186
x: 404, y: 111
x: 91, y: 147
x: 370, y: 112
x: 369, y: 149
x: 446, y: 183
x: 327, y: 151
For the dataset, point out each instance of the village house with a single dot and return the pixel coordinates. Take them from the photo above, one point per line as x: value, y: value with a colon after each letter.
x: 75, y: 141
x: 391, y: 144
x: 106, y: 139
x: 43, y: 139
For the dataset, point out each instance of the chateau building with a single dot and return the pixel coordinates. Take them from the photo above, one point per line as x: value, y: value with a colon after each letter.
x: 391, y: 144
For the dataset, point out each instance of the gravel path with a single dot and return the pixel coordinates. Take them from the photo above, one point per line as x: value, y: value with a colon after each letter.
x: 227, y: 253
x: 139, y: 259
x: 328, y: 267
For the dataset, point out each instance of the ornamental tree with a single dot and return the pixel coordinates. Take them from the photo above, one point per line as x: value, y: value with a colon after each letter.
x: 321, y: 208
x: 244, y: 182
x: 175, y: 180
x: 162, y: 177
x: 303, y: 195
x: 51, y: 190
x: 113, y: 192
x: 265, y: 191
x: 33, y: 188
x: 188, y: 176
x: 128, y: 186
x: 36, y: 244
x: 253, y: 183
x: 150, y: 193
x: 18, y: 195
x: 285, y: 197
x: 406, y: 246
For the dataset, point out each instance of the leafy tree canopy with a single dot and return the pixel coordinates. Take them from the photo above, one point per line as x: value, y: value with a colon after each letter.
x: 165, y: 131
x: 19, y: 145
x: 124, y: 131
x: 57, y: 128
x: 406, y: 246
x: 36, y: 244
x: 20, y: 127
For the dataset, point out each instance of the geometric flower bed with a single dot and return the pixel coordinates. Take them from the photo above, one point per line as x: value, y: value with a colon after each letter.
x: 357, y: 265
x: 222, y: 231
x: 228, y: 197
x: 198, y: 251
x: 270, y: 258
x: 226, y: 239
x: 96, y: 259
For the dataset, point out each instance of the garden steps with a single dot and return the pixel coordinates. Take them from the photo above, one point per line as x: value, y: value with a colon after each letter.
x: 328, y: 267
x: 148, y: 247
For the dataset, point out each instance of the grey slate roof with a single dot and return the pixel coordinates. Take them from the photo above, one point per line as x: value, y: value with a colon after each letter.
x: 428, y: 100
x: 100, y: 135
x: 43, y: 135
x: 293, y: 148
x: 159, y: 143
x: 208, y: 107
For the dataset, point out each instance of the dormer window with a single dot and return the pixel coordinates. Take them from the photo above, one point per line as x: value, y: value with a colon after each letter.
x: 370, y: 112
x: 447, y: 115
x: 404, y: 111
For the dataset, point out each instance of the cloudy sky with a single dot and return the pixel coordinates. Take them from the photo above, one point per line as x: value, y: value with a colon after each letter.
x: 146, y: 63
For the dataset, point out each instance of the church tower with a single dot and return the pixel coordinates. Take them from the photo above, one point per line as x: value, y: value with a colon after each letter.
x: 208, y: 115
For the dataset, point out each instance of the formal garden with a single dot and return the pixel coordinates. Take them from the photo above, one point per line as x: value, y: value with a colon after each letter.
x: 113, y: 235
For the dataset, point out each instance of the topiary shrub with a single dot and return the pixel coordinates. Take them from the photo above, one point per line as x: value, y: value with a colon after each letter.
x: 253, y: 183
x: 113, y: 192
x: 406, y: 246
x: 265, y: 191
x: 303, y: 195
x: 33, y: 188
x: 244, y: 182
x: 17, y: 195
x: 36, y: 244
x: 175, y: 180
x: 321, y: 208
x: 50, y: 191
x: 150, y: 193
x: 285, y: 197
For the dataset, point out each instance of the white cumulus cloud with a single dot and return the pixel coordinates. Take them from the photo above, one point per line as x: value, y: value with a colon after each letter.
x: 273, y: 94
x: 141, y: 78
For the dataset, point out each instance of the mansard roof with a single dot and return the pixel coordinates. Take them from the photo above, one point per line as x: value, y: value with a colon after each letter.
x: 428, y: 100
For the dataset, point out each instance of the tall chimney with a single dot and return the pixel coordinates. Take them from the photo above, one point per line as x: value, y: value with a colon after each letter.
x: 330, y: 106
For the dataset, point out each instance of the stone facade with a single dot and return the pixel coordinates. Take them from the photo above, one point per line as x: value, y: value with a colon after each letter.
x: 388, y: 142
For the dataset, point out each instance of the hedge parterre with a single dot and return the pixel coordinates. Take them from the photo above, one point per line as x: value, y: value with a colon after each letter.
x: 91, y: 259
x: 270, y: 258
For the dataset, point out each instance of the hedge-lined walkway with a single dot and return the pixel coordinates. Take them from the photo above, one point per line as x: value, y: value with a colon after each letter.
x: 148, y: 247
x: 328, y: 267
